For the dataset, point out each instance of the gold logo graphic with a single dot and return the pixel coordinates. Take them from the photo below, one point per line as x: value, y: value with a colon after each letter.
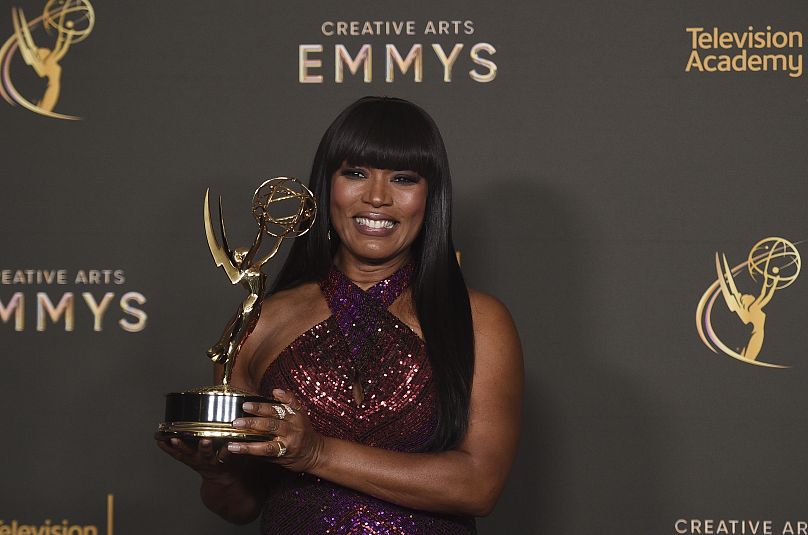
x: 774, y: 263
x: 71, y: 21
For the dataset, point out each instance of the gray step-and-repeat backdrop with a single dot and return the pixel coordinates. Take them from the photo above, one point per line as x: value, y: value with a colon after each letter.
x: 631, y: 179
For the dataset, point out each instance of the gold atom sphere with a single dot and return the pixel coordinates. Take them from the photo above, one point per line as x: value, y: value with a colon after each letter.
x: 288, y: 195
x: 72, y: 18
x: 775, y: 259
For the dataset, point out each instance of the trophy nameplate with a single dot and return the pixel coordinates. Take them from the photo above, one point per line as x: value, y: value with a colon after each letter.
x: 209, y: 412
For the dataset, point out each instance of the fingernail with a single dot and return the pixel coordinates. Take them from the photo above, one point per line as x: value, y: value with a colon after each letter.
x: 279, y: 392
x: 235, y: 448
x: 239, y: 422
x: 175, y: 442
x: 248, y: 406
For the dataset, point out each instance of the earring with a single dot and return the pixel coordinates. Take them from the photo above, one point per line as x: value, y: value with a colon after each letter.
x: 329, y: 234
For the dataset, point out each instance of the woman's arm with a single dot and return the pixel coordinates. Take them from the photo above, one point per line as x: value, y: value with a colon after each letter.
x: 466, y: 480
x: 230, y: 486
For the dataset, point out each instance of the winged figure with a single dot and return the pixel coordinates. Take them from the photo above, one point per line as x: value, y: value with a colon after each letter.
x: 240, y: 269
x: 749, y: 308
x: 44, y: 61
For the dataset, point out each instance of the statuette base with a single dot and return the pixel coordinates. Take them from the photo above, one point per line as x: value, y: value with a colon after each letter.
x: 209, y: 413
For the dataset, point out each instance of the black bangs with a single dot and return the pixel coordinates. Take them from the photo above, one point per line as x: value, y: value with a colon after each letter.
x: 386, y: 133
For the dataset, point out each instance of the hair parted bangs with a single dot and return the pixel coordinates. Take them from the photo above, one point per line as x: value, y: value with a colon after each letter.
x: 386, y: 134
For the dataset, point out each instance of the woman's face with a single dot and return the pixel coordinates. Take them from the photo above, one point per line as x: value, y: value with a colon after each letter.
x: 377, y: 213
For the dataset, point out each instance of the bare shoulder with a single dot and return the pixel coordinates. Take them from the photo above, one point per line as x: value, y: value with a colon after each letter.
x: 488, y: 312
x: 496, y: 339
x: 290, y: 303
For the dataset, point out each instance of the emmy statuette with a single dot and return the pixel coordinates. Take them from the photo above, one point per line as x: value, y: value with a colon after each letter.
x: 208, y: 412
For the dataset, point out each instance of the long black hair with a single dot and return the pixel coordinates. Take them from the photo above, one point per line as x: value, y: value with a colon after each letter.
x: 390, y: 133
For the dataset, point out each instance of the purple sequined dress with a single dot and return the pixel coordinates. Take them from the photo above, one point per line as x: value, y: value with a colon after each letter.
x: 362, y: 340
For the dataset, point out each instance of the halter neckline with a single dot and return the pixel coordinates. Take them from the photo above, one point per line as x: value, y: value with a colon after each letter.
x: 385, y: 292
x: 358, y: 311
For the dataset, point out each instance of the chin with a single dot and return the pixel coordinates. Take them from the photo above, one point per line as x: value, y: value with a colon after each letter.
x: 374, y: 255
x: 377, y: 257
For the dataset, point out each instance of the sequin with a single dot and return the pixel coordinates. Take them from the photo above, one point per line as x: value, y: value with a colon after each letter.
x: 361, y: 341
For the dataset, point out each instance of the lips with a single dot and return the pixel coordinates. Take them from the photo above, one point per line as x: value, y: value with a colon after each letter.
x: 375, y: 223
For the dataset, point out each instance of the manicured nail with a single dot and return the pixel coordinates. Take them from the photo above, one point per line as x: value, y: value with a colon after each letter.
x: 248, y: 406
x: 239, y: 422
x: 235, y: 448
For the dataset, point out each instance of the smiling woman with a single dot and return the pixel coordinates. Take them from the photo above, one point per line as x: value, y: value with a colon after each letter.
x: 399, y: 388
x: 368, y: 203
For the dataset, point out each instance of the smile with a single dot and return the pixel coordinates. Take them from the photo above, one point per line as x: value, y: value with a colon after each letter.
x: 375, y: 223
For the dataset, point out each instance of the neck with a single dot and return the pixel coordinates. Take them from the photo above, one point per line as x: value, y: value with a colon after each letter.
x: 365, y: 273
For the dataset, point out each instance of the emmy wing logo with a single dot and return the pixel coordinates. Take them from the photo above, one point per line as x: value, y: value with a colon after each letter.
x: 773, y: 264
x: 63, y: 23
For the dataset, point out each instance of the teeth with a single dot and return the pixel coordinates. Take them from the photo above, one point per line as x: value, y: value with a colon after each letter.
x: 374, y: 223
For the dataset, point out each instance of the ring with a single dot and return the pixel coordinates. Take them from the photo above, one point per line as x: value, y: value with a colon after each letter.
x: 289, y: 410
x: 280, y: 410
x: 281, y: 448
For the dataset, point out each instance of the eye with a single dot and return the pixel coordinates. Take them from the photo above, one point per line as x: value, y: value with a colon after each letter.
x: 353, y: 173
x: 406, y: 179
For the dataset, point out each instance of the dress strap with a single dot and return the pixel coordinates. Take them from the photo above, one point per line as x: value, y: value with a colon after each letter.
x: 344, y: 296
x: 387, y: 291
x: 358, y: 312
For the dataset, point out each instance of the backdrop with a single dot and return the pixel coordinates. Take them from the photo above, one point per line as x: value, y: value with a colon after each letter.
x: 621, y: 171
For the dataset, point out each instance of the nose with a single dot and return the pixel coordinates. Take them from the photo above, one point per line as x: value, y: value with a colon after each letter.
x: 377, y: 193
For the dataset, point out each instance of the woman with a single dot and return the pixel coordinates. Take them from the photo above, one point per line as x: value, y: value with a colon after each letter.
x: 402, y: 397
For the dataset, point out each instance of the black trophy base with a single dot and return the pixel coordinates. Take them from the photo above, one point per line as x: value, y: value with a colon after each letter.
x: 209, y: 413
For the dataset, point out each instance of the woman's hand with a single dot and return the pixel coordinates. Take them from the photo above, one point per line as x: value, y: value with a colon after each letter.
x: 296, y: 446
x: 230, y: 487
x: 204, y: 458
